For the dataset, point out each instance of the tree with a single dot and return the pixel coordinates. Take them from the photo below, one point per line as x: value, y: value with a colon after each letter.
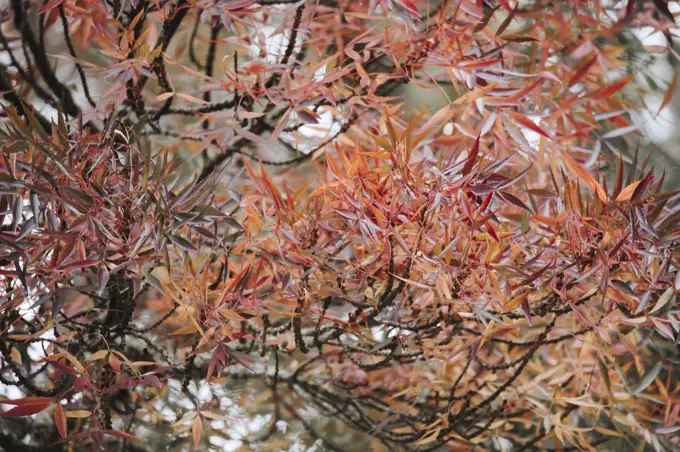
x: 213, y: 209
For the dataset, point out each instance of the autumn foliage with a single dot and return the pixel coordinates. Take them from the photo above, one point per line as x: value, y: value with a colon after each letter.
x: 212, y: 211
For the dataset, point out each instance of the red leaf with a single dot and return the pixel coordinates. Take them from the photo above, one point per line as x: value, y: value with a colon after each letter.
x: 474, y: 152
x: 27, y: 401
x: 611, y: 89
x: 49, y: 5
x: 581, y: 72
x: 528, y: 123
x: 27, y: 408
x: 120, y: 434
x: 492, y: 231
x: 525, y: 309
x: 410, y: 7
x: 60, y: 421
x: 68, y: 439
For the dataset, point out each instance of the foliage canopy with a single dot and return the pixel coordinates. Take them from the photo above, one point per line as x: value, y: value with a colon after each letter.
x: 215, y: 209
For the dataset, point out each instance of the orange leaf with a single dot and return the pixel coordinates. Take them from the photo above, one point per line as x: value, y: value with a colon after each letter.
x: 627, y: 192
x: 669, y: 93
x: 528, y: 123
x: 611, y: 89
x: 196, y: 430
x: 581, y: 173
x: 189, y: 329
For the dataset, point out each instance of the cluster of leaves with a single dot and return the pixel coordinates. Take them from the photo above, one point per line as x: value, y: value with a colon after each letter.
x: 457, y: 278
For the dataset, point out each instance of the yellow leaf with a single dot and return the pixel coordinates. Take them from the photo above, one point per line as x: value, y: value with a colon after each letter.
x: 515, y: 302
x: 78, y: 414
x: 189, y: 329
x: 97, y: 355
x: 627, y: 192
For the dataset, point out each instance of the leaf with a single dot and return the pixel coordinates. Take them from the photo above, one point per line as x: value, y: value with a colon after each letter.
x: 622, y: 287
x: 583, y: 174
x: 97, y: 355
x: 514, y: 200
x: 164, y: 96
x: 196, y: 430
x: 608, y: 91
x: 307, y: 116
x: 470, y: 162
x: 647, y: 379
x: 605, y: 374
x: 410, y: 7
x: 78, y: 414
x: 217, y: 417
x: 181, y: 243
x: 582, y: 72
x: 670, y: 91
x: 16, y: 356
x: 60, y: 421
x: 662, y: 7
x: 102, y: 279
x: 507, y: 21
x: 347, y: 214
x: 627, y: 193
x: 189, y: 329
x: 49, y: 5
x: 485, y: 20
x: 620, y: 131
x: 428, y: 438
x: 528, y: 123
x: 579, y: 401
x: 120, y: 434
x: 114, y: 363
x: 191, y: 99
x: 663, y: 300
x: 27, y: 406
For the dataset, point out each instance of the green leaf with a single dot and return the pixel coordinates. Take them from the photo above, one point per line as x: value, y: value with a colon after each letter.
x: 181, y: 242
x: 647, y: 379
x: 605, y: 374
x: 663, y: 300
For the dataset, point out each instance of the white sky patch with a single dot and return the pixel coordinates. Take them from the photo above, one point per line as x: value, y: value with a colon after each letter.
x: 658, y: 127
